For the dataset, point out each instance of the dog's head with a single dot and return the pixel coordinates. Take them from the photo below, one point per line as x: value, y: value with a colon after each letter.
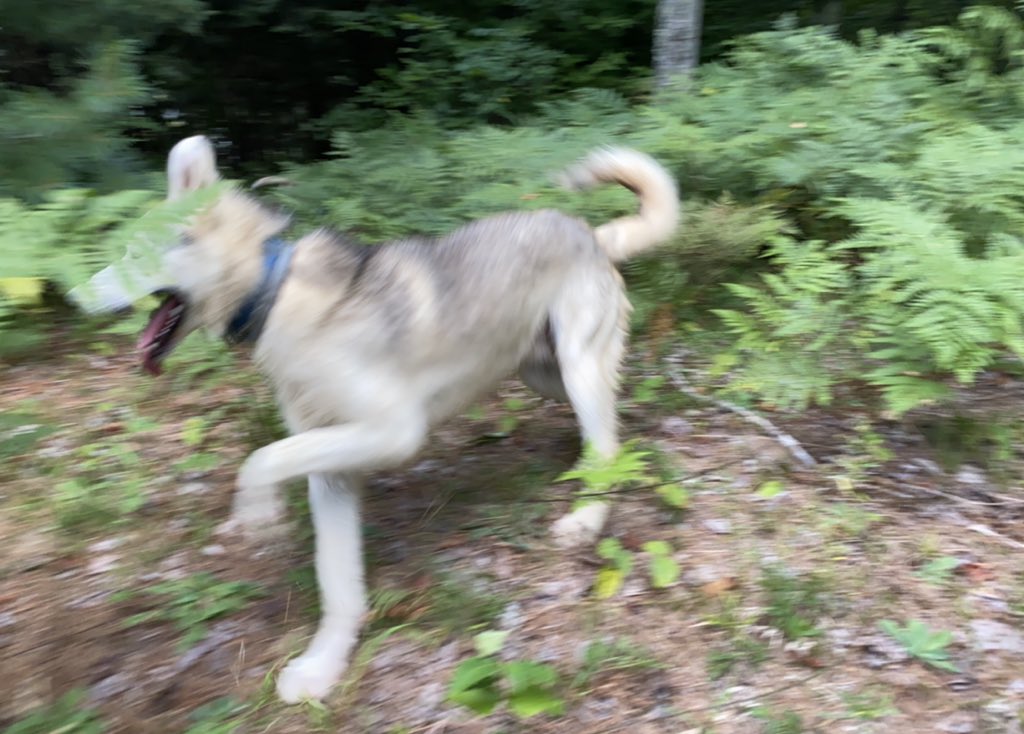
x: 206, y: 271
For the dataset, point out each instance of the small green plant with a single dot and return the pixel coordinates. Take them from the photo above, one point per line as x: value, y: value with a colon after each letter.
x: 630, y: 468
x: 510, y: 421
x: 849, y: 520
x: 482, y: 682
x: 618, y: 654
x: 222, y: 716
x: 926, y: 645
x: 647, y: 390
x: 106, y: 485
x: 869, y: 705
x: 600, y: 475
x: 741, y: 648
x: 193, y: 431
x: 793, y: 602
x: 787, y: 722
x: 939, y: 570
x: 68, y: 714
x: 611, y: 577
x: 190, y: 603
x: 864, y: 453
x: 201, y: 461
x: 673, y: 495
x: 662, y: 566
x: 20, y: 432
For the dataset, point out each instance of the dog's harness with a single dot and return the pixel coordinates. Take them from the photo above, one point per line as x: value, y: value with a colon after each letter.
x: 248, y: 322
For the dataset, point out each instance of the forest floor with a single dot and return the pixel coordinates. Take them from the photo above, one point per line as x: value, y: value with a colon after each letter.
x: 122, y: 609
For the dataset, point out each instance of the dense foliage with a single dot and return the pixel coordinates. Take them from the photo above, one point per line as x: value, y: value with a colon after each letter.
x: 873, y: 183
x: 87, y: 88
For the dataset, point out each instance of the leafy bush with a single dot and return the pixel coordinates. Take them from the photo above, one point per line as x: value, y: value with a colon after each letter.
x: 874, y: 185
x: 897, y: 161
x: 878, y: 179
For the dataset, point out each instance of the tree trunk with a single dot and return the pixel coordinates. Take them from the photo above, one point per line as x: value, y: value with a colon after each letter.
x: 676, y: 40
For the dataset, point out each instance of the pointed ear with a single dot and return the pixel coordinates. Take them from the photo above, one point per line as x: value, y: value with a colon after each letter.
x: 191, y: 165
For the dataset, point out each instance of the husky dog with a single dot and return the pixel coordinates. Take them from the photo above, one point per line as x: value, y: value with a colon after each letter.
x: 369, y: 347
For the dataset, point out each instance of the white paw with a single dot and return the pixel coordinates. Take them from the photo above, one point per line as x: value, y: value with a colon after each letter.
x: 308, y: 677
x: 256, y: 515
x: 580, y: 527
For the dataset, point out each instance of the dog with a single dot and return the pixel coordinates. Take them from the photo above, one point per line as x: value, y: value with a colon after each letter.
x: 369, y: 347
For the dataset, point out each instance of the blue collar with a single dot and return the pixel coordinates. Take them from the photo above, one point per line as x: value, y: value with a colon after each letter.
x: 247, y: 323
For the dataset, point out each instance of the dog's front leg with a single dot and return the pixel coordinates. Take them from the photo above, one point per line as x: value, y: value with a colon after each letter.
x: 334, y: 505
x: 342, y: 449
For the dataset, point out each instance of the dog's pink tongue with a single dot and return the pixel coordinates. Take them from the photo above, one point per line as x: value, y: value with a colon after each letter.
x: 148, y: 343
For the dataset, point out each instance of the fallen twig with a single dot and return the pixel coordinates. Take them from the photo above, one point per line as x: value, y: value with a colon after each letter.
x: 989, y: 532
x: 787, y: 441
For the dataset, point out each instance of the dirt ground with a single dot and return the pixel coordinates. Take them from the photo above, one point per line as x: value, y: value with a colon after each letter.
x: 115, y: 587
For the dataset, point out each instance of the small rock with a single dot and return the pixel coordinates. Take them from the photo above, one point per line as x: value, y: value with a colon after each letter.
x: 992, y: 636
x: 746, y: 697
x: 89, y: 601
x: 929, y: 467
x: 701, y: 575
x: 193, y: 488
x: 971, y: 475
x: 597, y: 709
x: 991, y: 600
x: 192, y: 476
x: 718, y: 526
x: 107, y: 688
x: 102, y: 564
x: 1016, y: 687
x: 883, y: 650
x: 430, y: 698
x: 1002, y: 709
x: 633, y: 587
x: 7, y: 619
x: 659, y: 712
x: 961, y: 722
x: 426, y: 466
x: 840, y: 637
x: 676, y: 427
x: 511, y: 616
x: 568, y: 589
x: 105, y: 546
x: 898, y: 678
x: 213, y: 550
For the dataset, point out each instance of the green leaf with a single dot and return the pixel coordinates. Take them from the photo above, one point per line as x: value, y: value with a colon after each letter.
x: 657, y: 548
x: 475, y: 672
x: 524, y: 674
x: 481, y: 700
x: 674, y: 495
x: 490, y: 642
x: 534, y: 701
x: 664, y: 571
x: 771, y: 488
x: 939, y: 570
x: 608, y: 583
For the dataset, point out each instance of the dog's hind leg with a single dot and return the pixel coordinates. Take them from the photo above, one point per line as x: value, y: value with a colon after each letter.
x: 590, y: 340
x: 334, y: 505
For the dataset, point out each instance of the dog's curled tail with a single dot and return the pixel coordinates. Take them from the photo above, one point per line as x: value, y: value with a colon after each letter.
x: 627, y: 236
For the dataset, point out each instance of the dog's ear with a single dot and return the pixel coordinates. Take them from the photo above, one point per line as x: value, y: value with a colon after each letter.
x: 191, y: 165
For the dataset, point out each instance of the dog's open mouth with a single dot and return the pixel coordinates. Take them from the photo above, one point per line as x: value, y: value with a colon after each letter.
x: 160, y: 335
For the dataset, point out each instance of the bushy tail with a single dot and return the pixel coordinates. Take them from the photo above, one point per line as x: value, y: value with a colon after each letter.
x: 625, y: 237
